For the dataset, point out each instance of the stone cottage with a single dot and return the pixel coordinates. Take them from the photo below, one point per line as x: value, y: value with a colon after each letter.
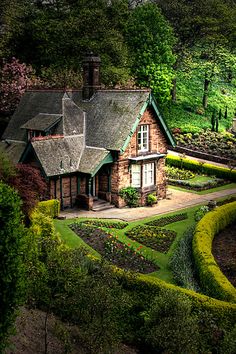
x: 90, y: 143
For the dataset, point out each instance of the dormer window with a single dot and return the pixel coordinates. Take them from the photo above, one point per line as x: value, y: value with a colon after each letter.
x: 143, y: 138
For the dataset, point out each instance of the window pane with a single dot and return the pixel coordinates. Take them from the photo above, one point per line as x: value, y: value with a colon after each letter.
x: 148, y: 174
x: 135, y: 175
x: 143, y: 135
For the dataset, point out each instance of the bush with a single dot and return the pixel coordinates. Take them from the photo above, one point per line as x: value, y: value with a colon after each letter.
x: 212, y: 279
x: 49, y: 207
x: 151, y: 199
x: 181, y: 262
x: 12, y: 270
x: 130, y: 196
x: 199, y: 213
x: 169, y: 324
x: 198, y: 167
x: 178, y: 173
x: 165, y: 220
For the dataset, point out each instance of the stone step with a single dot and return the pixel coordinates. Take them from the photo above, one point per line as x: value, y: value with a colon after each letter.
x: 100, y: 205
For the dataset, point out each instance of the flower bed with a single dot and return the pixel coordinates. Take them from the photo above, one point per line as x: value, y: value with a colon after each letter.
x: 178, y: 173
x: 168, y: 219
x: 153, y: 237
x: 112, y: 249
x: 198, y: 185
x: 108, y: 224
x: 213, y: 143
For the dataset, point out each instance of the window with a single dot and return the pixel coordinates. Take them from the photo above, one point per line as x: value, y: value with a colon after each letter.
x: 136, y: 176
x: 143, y: 138
x: 148, y: 174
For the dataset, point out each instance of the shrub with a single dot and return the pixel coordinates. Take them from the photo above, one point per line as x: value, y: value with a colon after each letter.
x: 177, y: 173
x: 107, y: 224
x: 169, y: 324
x: 181, y: 262
x: 130, y: 196
x: 12, y: 270
x: 212, y: 279
x: 49, y: 207
x: 151, y: 199
x: 199, y: 213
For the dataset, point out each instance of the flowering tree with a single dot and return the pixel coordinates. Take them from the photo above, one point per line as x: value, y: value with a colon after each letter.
x: 15, y: 78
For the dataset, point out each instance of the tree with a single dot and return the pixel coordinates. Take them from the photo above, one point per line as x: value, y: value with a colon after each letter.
x: 12, y: 281
x: 151, y: 39
x: 16, y: 77
x: 27, y: 180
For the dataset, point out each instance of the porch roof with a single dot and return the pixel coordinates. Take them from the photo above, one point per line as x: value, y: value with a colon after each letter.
x: 93, y: 159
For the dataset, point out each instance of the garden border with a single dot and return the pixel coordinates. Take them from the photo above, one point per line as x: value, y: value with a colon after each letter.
x: 202, y: 167
x: 213, y: 281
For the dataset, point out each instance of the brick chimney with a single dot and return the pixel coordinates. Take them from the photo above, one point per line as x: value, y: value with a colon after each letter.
x: 91, y: 75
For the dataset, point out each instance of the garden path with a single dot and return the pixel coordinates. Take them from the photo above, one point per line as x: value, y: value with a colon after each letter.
x: 178, y: 200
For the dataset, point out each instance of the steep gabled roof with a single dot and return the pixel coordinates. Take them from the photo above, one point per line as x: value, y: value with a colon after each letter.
x: 104, y: 123
x: 42, y: 122
x: 59, y: 156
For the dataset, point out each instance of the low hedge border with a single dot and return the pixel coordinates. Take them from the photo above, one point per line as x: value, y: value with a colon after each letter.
x: 49, y: 207
x: 199, y: 167
x: 212, y: 279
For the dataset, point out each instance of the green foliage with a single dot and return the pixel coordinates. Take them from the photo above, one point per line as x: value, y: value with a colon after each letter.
x: 201, y: 212
x: 165, y: 220
x: 153, y: 237
x: 49, y: 207
x: 12, y: 271
x: 105, y: 223
x: 170, y: 325
x: 212, y: 279
x: 177, y: 173
x: 150, y: 39
x: 151, y: 199
x: 206, y: 168
x: 181, y: 262
x: 130, y: 196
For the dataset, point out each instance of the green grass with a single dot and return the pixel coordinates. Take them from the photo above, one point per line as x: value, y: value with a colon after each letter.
x: 208, y: 191
x: 158, y: 258
x: 182, y: 114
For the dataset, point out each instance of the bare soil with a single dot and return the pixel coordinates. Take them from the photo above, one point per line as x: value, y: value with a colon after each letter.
x: 61, y: 337
x: 224, y: 251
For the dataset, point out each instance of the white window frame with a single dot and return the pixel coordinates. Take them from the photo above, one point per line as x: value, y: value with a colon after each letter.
x: 136, y: 176
x: 143, y: 138
x: 148, y: 174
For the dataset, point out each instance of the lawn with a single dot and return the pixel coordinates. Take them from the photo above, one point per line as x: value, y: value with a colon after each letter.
x: 159, y: 258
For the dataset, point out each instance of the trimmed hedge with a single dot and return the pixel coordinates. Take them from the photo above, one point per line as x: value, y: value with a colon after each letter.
x: 198, y: 167
x: 212, y: 279
x: 49, y: 207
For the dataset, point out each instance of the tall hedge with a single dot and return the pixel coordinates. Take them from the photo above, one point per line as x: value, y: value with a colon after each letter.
x: 212, y: 279
x: 12, y: 246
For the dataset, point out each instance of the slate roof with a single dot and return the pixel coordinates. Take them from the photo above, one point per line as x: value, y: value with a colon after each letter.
x: 58, y: 156
x: 110, y: 116
x: 89, y: 129
x: 42, y: 122
x: 91, y: 158
x: 14, y: 150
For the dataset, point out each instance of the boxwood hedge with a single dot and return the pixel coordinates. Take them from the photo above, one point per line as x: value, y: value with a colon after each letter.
x: 212, y: 279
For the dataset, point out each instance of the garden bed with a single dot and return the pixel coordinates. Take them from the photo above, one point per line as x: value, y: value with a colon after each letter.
x: 208, y: 142
x: 224, y: 252
x: 114, y: 251
x: 168, y: 219
x: 199, y: 183
x: 153, y: 237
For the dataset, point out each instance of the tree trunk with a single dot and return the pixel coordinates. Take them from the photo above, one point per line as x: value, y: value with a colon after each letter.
x: 173, y: 90
x: 205, y: 92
